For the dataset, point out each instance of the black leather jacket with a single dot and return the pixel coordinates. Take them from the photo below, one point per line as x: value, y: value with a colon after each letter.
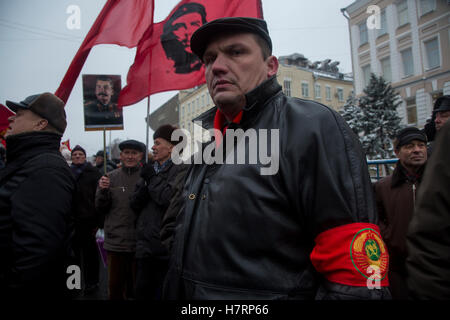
x: 243, y: 235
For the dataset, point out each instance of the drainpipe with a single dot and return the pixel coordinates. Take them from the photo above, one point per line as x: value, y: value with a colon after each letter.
x: 345, y: 14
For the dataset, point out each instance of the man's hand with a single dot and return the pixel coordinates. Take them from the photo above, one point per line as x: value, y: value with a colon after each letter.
x: 103, y: 183
x: 147, y: 172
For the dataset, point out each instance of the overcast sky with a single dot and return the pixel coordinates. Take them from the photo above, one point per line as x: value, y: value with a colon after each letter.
x: 36, y: 48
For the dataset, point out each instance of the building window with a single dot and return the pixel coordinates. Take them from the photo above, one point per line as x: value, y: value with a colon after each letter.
x: 402, y: 12
x: 182, y: 111
x: 363, y: 35
x: 203, y: 101
x: 305, y: 90
x: 408, y: 65
x: 386, y: 69
x: 427, y: 6
x: 366, y: 74
x: 317, y: 91
x: 432, y: 52
x: 198, y: 104
x: 340, y: 94
x: 411, y: 111
x: 383, y: 23
x: 287, y: 87
x: 328, y: 93
x: 189, y: 109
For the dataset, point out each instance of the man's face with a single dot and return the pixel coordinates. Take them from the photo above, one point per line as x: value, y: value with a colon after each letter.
x: 130, y: 157
x: 23, y: 121
x: 104, y: 91
x: 184, y: 27
x: 78, y: 157
x: 98, y: 160
x: 234, y: 66
x: 413, y: 154
x: 161, y: 150
x: 441, y: 118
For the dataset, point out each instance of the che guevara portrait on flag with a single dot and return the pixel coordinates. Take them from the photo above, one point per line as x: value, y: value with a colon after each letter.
x: 100, y: 95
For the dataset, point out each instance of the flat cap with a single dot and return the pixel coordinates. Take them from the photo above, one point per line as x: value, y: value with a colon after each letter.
x: 406, y: 135
x: 46, y: 105
x: 132, y: 144
x: 442, y: 104
x: 203, y: 35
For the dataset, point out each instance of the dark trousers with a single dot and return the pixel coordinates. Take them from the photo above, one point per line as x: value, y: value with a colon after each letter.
x: 150, y: 274
x: 86, y: 251
x: 121, y: 275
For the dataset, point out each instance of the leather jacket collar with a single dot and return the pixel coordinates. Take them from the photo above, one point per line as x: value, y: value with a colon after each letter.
x: 256, y: 100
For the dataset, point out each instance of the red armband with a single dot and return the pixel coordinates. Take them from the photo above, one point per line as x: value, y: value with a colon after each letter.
x: 353, y: 254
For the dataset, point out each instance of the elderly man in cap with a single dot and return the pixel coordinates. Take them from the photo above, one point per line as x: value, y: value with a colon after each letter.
x: 113, y: 201
x: 396, y: 196
x: 288, y: 233
x: 35, y: 201
x: 150, y: 201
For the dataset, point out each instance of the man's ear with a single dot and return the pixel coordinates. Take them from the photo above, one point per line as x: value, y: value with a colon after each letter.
x: 272, y: 64
x: 41, y: 124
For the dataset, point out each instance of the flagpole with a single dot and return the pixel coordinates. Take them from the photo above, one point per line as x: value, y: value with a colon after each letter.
x: 146, y: 129
x: 104, y: 150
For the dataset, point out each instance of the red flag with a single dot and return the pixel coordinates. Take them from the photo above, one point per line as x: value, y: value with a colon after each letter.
x: 120, y: 22
x: 67, y: 144
x: 5, y: 113
x: 163, y: 59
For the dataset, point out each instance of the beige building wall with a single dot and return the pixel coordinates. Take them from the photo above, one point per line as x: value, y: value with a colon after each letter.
x: 400, y: 52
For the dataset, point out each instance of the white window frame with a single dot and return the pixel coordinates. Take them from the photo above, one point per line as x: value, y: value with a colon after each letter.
x: 424, y: 48
x: 328, y: 93
x: 340, y: 97
x: 383, y: 69
x: 383, y: 23
x: 404, y: 75
x: 404, y: 11
x: 304, y: 83
x: 317, y: 91
x: 366, y: 78
x: 362, y: 27
x: 431, y: 8
x: 287, y: 87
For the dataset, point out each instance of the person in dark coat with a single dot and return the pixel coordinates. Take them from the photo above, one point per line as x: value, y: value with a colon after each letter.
x: 150, y: 200
x: 440, y: 115
x: 395, y: 196
x: 428, y: 238
x: 280, y: 205
x: 99, y: 163
x: 36, y: 188
x: 87, y: 221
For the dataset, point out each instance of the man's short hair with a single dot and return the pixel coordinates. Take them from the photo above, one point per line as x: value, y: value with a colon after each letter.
x: 105, y: 78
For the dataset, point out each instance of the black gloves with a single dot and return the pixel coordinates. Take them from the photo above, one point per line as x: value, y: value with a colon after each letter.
x: 147, y: 172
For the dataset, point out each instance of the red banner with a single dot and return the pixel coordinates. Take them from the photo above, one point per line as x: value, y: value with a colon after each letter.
x: 164, y: 60
x: 120, y: 22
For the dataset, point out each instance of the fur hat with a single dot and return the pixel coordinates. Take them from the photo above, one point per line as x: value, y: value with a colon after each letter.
x: 165, y: 132
x: 46, y: 105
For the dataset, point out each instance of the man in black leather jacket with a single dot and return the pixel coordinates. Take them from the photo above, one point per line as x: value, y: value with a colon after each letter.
x: 36, y: 188
x: 305, y: 228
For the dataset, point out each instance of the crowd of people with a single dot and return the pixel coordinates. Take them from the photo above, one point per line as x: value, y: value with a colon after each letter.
x: 317, y: 228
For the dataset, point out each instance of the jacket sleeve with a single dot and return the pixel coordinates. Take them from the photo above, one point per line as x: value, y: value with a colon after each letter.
x: 140, y: 196
x: 41, y: 211
x: 160, y: 188
x: 428, y: 239
x: 102, y: 201
x: 175, y: 206
x: 334, y: 197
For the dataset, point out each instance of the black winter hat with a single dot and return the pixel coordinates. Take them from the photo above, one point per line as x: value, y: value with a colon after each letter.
x: 165, y: 132
x: 203, y: 35
x: 442, y: 104
x: 45, y: 105
x: 78, y: 148
x: 406, y: 135
x: 132, y: 144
